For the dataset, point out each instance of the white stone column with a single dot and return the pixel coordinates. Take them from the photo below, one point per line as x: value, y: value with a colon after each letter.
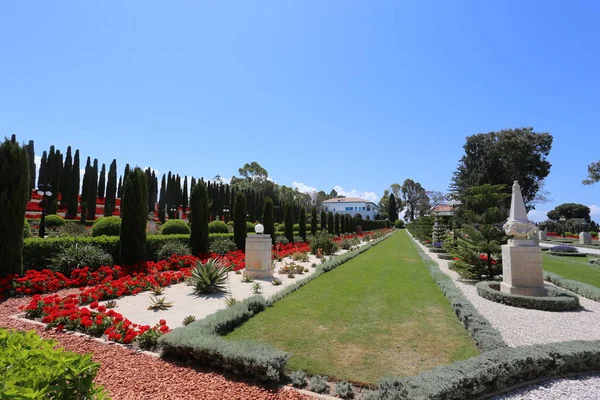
x: 585, y: 238
x: 258, y: 256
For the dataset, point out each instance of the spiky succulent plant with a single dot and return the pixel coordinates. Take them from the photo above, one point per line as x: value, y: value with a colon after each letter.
x: 209, y: 277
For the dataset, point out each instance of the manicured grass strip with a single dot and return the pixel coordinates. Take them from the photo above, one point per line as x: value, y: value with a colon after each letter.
x: 577, y: 269
x: 377, y: 315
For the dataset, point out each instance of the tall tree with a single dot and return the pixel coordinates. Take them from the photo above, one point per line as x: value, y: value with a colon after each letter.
x: 55, y: 166
x: 239, y: 221
x: 392, y: 210
x: 384, y: 205
x: 302, y: 230
x: 313, y: 221
x: 199, y: 222
x: 85, y: 188
x: 569, y: 211
x: 111, y: 189
x: 415, y: 199
x: 185, y: 198
x: 93, y: 191
x: 134, y: 218
x: 43, y: 175
x: 502, y: 157
x: 102, y: 182
x: 120, y: 187
x: 269, y: 218
x: 73, y: 177
x: 330, y: 223
x: 31, y: 155
x: 593, y: 173
x: 162, y: 203
x: 289, y: 221
x: 323, y: 221
x: 14, y: 194
x: 337, y: 224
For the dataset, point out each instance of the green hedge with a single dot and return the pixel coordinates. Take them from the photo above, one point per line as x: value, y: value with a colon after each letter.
x: 495, y: 371
x: 37, y: 252
x: 583, y: 289
x: 557, y: 300
x: 200, y: 343
x: 32, y: 368
x: 445, y: 256
x: 486, y: 337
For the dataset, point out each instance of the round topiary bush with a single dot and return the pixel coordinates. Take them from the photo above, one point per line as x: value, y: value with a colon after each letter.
x: 556, y: 299
x: 399, y: 224
x: 249, y: 227
x: 169, y: 249
x: 280, y: 228
x: 26, y: 230
x: 54, y: 221
x: 218, y: 227
x: 107, y: 226
x: 175, y: 227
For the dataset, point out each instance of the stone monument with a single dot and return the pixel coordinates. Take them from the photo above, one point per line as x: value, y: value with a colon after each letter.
x: 542, y: 235
x: 258, y: 255
x: 521, y: 257
x: 585, y: 238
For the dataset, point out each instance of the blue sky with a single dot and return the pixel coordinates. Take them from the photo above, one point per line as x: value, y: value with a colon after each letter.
x: 353, y: 94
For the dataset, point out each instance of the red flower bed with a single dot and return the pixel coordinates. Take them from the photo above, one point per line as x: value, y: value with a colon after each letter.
x: 286, y: 250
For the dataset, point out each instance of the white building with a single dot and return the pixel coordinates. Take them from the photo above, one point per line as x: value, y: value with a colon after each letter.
x: 352, y: 205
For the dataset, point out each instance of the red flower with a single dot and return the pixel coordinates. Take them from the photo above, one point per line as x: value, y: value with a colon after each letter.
x: 162, y: 322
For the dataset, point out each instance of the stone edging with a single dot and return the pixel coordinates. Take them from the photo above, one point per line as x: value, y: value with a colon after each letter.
x: 557, y: 300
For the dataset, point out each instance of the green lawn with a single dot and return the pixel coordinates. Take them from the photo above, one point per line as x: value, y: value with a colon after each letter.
x: 380, y: 314
x: 575, y: 268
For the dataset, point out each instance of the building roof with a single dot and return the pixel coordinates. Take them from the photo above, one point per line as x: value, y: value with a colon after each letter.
x: 442, y: 208
x: 347, y: 200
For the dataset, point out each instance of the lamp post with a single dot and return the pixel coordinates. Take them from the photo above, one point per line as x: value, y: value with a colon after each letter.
x: 563, y: 220
x: 173, y: 212
x: 43, y: 190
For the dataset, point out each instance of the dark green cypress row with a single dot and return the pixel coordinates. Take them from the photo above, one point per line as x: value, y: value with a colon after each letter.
x: 134, y: 218
x: 102, y: 182
x: 337, y: 224
x: 239, y: 221
x: 178, y: 194
x: 289, y: 221
x: 92, y: 191
x: 43, y: 175
x: 126, y: 173
x: 323, y: 221
x: 199, y: 222
x: 31, y: 155
x: 86, y: 185
x: 342, y: 224
x: 330, y: 223
x: 269, y: 218
x: 14, y: 194
x: 348, y: 224
x: 111, y: 189
x: 120, y: 187
x: 185, y: 199
x: 162, y: 202
x: 313, y: 221
x: 65, y: 182
x: 73, y: 177
x: 154, y: 191
x: 302, y: 223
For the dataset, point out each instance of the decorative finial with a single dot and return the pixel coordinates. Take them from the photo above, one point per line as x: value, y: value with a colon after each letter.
x: 518, y: 225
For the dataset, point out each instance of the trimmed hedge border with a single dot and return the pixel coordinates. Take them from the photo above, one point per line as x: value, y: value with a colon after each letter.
x: 496, y: 371
x: 486, y: 337
x: 583, y: 289
x: 200, y: 343
x: 445, y: 256
x: 557, y: 299
x: 566, y: 254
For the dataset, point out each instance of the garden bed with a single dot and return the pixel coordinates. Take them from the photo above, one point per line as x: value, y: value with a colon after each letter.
x: 556, y: 299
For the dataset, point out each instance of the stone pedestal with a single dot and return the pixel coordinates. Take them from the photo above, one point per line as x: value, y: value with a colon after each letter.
x: 359, y: 230
x: 522, y: 268
x: 542, y: 235
x: 585, y: 238
x: 258, y: 256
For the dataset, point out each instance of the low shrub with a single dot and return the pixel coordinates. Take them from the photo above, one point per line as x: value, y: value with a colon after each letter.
x: 281, y: 240
x: 594, y: 234
x: 445, y: 256
x: 54, y: 221
x: 209, y: 277
x: 280, y: 228
x: 218, y: 227
x: 556, y: 300
x: 298, y: 379
x: 318, y: 384
x: 26, y: 230
x: 222, y: 246
x: 75, y: 229
x: 249, y: 227
x: 323, y: 241
x: 344, y: 390
x: 399, y: 224
x: 33, y: 367
x: 300, y: 256
x: 149, y: 339
x: 107, y: 226
x: 169, y: 249
x: 79, y: 256
x: 581, y: 288
x: 175, y: 227
x: 298, y: 239
x: 437, y: 250
x: 564, y: 249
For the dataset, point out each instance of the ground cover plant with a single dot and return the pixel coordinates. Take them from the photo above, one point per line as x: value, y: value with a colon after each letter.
x: 577, y: 269
x: 378, y: 314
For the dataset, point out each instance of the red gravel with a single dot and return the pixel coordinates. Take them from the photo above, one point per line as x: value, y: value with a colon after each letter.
x: 130, y: 375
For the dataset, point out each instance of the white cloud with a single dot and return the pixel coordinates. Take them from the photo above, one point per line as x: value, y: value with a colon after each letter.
x: 594, y: 210
x: 302, y: 188
x: 537, y: 215
x: 371, y: 196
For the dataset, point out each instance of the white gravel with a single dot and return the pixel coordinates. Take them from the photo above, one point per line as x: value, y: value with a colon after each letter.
x: 520, y: 327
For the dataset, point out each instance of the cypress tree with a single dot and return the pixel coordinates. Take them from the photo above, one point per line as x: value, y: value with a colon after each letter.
x: 134, y: 218
x: 85, y: 185
x: 120, y: 188
x: 102, y: 182
x: 349, y: 224
x: 162, y: 203
x: 269, y: 218
x: 152, y: 205
x: 313, y: 221
x: 92, y: 191
x: 330, y: 223
x: 73, y: 202
x: 126, y: 173
x: 43, y: 175
x: 337, y: 224
x: 239, y: 221
x: 343, y: 224
x: 54, y: 172
x: 199, y: 221
x: 392, y: 208
x: 302, y: 223
x: 31, y: 155
x: 192, y: 184
x: 289, y: 221
x: 323, y: 221
x: 65, y: 183
x: 185, y: 199
x: 14, y: 194
x: 111, y: 189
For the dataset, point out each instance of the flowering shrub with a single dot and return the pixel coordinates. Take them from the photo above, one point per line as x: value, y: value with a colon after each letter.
x: 563, y: 248
x: 484, y: 258
x: 438, y: 245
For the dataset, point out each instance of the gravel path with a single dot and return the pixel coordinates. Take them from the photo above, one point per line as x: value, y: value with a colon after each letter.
x: 127, y: 374
x: 586, y: 387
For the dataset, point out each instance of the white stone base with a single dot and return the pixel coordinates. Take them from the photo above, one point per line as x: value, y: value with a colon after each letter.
x: 522, y: 269
x: 585, y: 238
x: 258, y: 257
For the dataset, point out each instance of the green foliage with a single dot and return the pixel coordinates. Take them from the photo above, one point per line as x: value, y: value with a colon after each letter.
x: 209, y: 277
x: 323, y: 220
x: 54, y: 221
x: 399, y: 224
x: 134, y: 211
x: 336, y: 224
x: 556, y: 299
x: 344, y: 389
x: 79, y: 256
x: 302, y: 227
x: 188, y: 320
x: 239, y: 225
x: 218, y: 227
x: 32, y: 368
x: 199, y: 218
x: 583, y: 289
x: 75, y: 229
x: 109, y: 226
x: 298, y: 379
x: 392, y: 208
x: 313, y: 221
x: 269, y: 218
x: 149, y: 339
x: 568, y: 211
x: 159, y: 303
x: 222, y: 246
x: 318, y: 384
x: 416, y: 200
x: 330, y: 223
x: 249, y: 227
x: 289, y: 221
x: 324, y: 242
x: 593, y: 173
x: 26, y: 230
x: 422, y: 228
x: 176, y: 227
x: 171, y: 248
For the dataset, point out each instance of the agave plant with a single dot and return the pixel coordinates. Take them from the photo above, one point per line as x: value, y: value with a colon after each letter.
x: 111, y: 304
x: 159, y: 303
x: 209, y: 277
x: 157, y: 290
x: 230, y: 301
x: 188, y: 320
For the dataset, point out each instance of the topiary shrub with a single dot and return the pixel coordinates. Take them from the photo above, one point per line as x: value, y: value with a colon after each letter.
x: 249, y: 227
x: 26, y: 230
x: 221, y: 246
x: 218, y: 227
x: 175, y: 227
x: 399, y: 224
x: 107, y: 226
x: 169, y: 249
x: 280, y: 228
x: 54, y: 221
x: 556, y: 299
x: 78, y: 256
